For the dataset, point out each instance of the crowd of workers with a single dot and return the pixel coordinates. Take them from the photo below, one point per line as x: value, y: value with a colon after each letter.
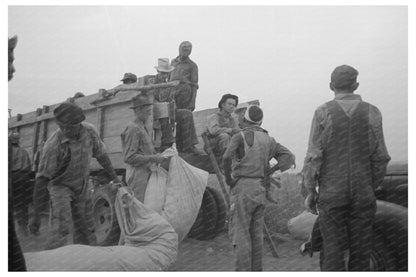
x: 346, y: 159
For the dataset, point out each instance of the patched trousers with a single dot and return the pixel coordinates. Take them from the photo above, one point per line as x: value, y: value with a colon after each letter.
x: 246, y: 223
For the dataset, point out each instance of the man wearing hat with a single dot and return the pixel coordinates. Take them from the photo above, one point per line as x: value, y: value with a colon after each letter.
x: 251, y: 149
x: 138, y: 149
x: 64, y: 171
x: 22, y: 191
x: 129, y: 78
x: 221, y: 126
x: 346, y: 160
x: 186, y: 137
x: 185, y: 71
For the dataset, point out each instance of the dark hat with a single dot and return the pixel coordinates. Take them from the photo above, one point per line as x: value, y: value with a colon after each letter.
x: 254, y: 114
x: 141, y: 100
x: 129, y: 76
x: 343, y: 76
x: 228, y: 96
x: 68, y: 113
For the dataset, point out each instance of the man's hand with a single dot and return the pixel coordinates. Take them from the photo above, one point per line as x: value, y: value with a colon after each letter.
x: 310, y: 203
x: 34, y: 225
x: 158, y: 158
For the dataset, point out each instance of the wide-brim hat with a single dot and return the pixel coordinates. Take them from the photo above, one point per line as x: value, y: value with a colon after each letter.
x: 163, y: 65
x: 129, y: 76
x: 140, y: 100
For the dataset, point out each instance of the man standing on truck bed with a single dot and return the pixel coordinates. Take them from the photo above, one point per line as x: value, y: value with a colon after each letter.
x: 186, y: 137
x: 186, y: 71
x: 252, y: 149
x: 64, y: 170
x: 138, y: 149
x: 346, y: 159
x: 222, y: 125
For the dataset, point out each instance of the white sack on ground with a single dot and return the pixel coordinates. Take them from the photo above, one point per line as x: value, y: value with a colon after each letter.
x: 300, y: 227
x: 156, y: 189
x: 150, y: 244
x: 184, y: 190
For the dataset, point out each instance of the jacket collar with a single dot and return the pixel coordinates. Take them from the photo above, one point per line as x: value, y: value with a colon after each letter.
x: 347, y: 96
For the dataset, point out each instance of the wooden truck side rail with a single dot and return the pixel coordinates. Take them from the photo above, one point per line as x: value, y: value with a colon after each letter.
x: 110, y: 115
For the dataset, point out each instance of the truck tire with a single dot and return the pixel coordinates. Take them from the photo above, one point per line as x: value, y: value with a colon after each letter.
x: 106, y: 230
x: 381, y: 257
x: 221, y: 210
x: 209, y: 218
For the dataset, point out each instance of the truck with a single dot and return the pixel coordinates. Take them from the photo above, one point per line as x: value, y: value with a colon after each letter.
x: 109, y: 112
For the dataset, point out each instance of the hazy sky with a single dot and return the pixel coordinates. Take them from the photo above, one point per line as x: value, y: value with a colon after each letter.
x: 281, y: 55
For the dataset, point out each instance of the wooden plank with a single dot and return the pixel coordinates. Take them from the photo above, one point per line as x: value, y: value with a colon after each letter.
x: 113, y: 144
x: 100, y: 121
x: 26, y: 134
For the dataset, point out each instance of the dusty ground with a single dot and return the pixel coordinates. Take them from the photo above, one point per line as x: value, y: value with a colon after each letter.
x: 214, y: 255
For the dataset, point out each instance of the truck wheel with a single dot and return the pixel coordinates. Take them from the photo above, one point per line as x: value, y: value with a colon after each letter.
x: 107, y: 230
x: 221, y: 210
x: 381, y: 258
x: 209, y: 218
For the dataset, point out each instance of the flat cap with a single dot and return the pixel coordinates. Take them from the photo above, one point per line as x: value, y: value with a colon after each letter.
x: 129, y: 76
x: 343, y: 76
x: 68, y: 113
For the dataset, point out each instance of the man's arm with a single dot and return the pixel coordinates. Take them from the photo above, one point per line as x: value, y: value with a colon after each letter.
x: 236, y: 140
x: 213, y: 126
x: 283, y: 156
x: 131, y: 149
x: 379, y: 156
x: 194, y: 86
x: 313, y: 159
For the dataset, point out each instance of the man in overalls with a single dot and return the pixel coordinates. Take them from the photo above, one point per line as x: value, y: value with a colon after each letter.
x: 252, y: 150
x: 347, y: 160
x: 138, y: 148
x: 64, y: 170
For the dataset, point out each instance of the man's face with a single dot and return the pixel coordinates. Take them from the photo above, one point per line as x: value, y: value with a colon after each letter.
x: 185, y: 50
x: 162, y: 75
x: 143, y: 112
x: 229, y: 105
x: 70, y: 131
x: 11, y: 66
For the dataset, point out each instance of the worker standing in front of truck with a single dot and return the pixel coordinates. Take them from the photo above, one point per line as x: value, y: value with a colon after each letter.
x: 252, y: 149
x: 347, y: 160
x: 138, y: 148
x: 64, y: 171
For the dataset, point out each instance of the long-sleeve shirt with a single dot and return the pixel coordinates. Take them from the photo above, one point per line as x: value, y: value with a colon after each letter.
x: 186, y: 71
x: 137, y: 144
x: 235, y: 150
x: 321, y: 132
x: 221, y: 122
